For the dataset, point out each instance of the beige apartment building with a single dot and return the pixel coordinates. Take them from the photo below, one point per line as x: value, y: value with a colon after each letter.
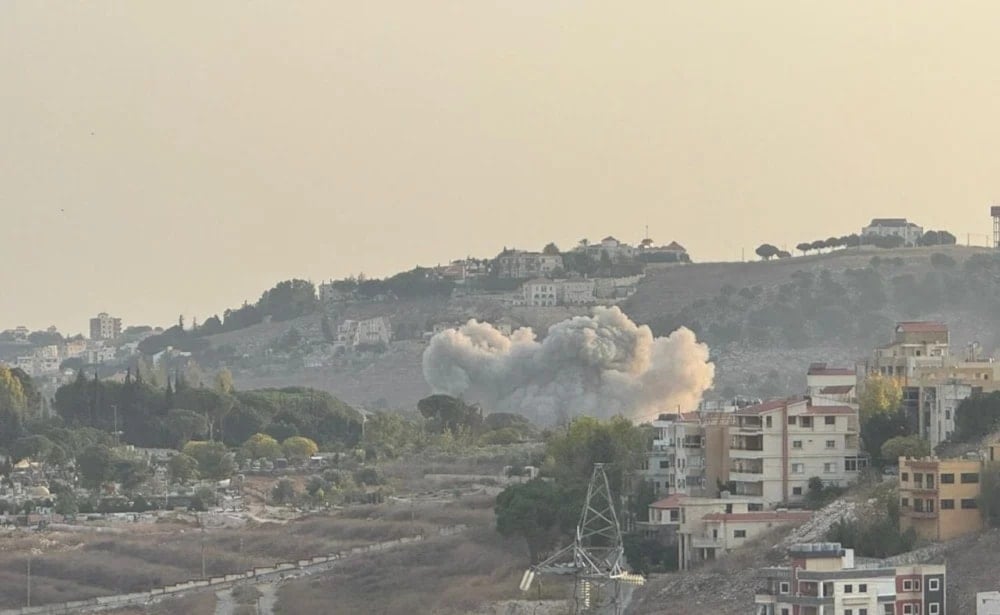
x: 777, y: 446
x: 934, y: 381
x: 938, y: 498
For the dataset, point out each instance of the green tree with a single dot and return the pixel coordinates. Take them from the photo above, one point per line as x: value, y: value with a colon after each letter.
x: 537, y: 511
x: 881, y: 395
x: 298, y: 449
x: 261, y: 446
x: 766, y: 251
x: 185, y: 424
x: 182, y: 468
x: 94, y: 465
x: 284, y: 491
x: 214, y: 461
x: 905, y: 446
x: 36, y: 447
x: 13, y: 403
x: 617, y: 443
x: 550, y: 248
x: 66, y: 503
x: 444, y: 412
x: 977, y: 416
x: 804, y: 247
x: 224, y: 381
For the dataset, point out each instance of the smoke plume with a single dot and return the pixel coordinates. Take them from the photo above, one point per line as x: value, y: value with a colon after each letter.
x: 598, y: 365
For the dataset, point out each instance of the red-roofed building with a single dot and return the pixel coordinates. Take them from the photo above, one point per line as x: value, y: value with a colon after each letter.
x: 777, y: 446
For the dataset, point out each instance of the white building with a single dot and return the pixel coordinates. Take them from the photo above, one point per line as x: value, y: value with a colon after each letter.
x: 541, y: 293
x: 577, y: 292
x: 894, y: 227
x: 519, y: 264
x: 831, y: 385
x: 707, y: 528
x: 676, y: 463
x: 105, y: 327
x: 617, y: 251
x: 371, y: 332
x: 777, y: 446
x: 988, y: 603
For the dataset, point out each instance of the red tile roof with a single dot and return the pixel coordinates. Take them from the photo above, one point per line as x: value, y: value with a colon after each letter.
x: 840, y: 389
x: 769, y: 406
x: 829, y: 410
x: 764, y: 516
x: 673, y: 501
x: 922, y: 327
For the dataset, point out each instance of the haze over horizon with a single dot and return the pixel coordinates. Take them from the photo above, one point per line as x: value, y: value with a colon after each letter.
x: 181, y: 157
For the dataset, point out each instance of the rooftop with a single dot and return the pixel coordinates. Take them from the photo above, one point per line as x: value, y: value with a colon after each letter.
x: 841, y: 389
x: 890, y: 222
x: 764, y: 516
x: 673, y: 501
x: 829, y: 410
x: 821, y: 369
x: 921, y: 327
x: 770, y: 406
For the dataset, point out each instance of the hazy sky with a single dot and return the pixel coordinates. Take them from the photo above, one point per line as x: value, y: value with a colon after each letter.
x: 159, y: 158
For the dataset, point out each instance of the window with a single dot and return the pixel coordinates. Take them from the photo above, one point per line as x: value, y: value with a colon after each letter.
x: 918, y: 478
x: 862, y: 611
x: 907, y: 585
x: 863, y: 588
x: 784, y: 611
x: 905, y: 476
x: 796, y: 490
x: 969, y: 504
x: 933, y: 608
x: 831, y: 444
x: 890, y: 608
x: 767, y: 421
x: 930, y: 505
x: 930, y: 481
x: 783, y: 588
x: 796, y: 443
x: 918, y: 506
x: 830, y: 420
x: 933, y: 585
x: 848, y: 612
x: 829, y: 468
x: 848, y: 589
x: 664, y: 464
x: 947, y: 479
x: 798, y: 468
x: 907, y: 608
x: 905, y: 502
x: 739, y: 533
x: 916, y: 585
x: 947, y: 504
x: 807, y: 421
x: 791, y: 420
x: 970, y: 478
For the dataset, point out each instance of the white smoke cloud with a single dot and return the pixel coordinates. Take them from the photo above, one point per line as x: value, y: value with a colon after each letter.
x: 598, y: 365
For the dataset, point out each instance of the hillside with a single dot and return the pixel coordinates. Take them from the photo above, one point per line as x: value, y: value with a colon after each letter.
x: 764, y: 321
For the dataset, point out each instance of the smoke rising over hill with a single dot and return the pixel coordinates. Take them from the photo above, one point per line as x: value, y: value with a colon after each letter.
x: 599, y: 365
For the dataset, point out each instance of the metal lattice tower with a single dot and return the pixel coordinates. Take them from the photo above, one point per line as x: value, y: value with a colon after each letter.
x: 995, y: 212
x: 596, y: 558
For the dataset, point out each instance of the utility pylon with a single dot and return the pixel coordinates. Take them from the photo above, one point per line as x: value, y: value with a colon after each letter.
x: 596, y: 558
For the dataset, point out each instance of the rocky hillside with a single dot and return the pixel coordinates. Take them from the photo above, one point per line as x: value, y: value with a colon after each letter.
x: 764, y: 321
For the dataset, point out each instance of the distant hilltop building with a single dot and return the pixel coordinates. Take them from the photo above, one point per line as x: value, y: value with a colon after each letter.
x: 670, y: 253
x: 105, y: 327
x: 617, y: 251
x: 519, y: 264
x: 894, y: 227
x: 371, y: 332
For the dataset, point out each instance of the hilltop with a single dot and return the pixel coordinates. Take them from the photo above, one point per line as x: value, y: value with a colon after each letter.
x: 763, y: 320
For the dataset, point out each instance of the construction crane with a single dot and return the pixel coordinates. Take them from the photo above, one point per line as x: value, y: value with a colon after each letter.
x: 595, y: 559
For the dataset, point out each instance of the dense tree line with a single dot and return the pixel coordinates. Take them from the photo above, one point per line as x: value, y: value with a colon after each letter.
x: 149, y: 416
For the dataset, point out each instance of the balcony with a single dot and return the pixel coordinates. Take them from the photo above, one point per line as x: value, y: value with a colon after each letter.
x: 706, y: 542
x: 745, y: 477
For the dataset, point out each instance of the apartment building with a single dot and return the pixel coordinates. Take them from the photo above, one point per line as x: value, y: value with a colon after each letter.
x: 933, y: 380
x: 105, y: 327
x: 541, y: 293
x: 676, y: 462
x: 371, y: 332
x: 938, y: 498
x: 777, y: 446
x: 519, y: 264
x: 822, y: 579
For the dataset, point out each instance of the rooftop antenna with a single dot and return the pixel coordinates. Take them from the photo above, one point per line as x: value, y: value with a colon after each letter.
x: 995, y: 212
x: 596, y: 558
